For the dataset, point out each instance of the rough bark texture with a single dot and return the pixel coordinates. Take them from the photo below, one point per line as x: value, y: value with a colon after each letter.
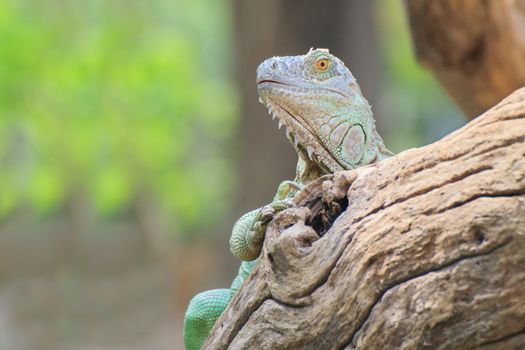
x: 476, y: 48
x: 428, y: 252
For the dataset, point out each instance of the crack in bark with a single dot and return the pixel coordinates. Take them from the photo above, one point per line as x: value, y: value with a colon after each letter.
x: 285, y: 304
x: 412, y: 277
x: 457, y: 204
x: 241, y: 321
x: 437, y: 161
x: 511, y: 117
x: 504, y: 338
x: 425, y: 190
x: 503, y: 144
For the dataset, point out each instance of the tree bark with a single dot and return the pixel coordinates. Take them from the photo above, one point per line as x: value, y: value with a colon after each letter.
x: 428, y: 252
x: 476, y: 48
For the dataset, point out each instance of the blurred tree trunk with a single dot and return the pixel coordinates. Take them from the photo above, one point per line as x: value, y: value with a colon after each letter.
x: 476, y: 48
x: 428, y: 252
x: 277, y: 28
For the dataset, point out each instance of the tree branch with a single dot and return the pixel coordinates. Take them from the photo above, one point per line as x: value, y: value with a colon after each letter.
x: 427, y: 252
x: 475, y: 48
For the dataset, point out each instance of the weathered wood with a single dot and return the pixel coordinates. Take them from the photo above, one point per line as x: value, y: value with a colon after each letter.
x: 476, y: 48
x: 428, y: 253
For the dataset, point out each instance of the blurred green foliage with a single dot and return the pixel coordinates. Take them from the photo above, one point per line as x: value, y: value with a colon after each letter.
x: 115, y: 99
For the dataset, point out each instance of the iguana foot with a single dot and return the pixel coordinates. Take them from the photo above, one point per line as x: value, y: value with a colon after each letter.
x: 249, y: 231
x: 266, y: 214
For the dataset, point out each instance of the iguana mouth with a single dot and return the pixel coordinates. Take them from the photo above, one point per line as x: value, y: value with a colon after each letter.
x: 302, y: 86
x: 271, y: 81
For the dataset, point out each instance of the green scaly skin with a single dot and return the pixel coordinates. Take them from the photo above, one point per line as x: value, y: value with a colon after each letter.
x: 330, y: 125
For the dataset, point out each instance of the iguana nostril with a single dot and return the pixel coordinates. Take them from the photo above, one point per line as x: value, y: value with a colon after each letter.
x: 274, y: 65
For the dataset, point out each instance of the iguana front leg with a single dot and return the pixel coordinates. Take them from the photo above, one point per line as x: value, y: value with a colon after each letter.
x: 249, y: 231
x: 246, y: 242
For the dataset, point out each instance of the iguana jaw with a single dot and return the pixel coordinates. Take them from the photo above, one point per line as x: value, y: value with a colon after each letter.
x: 300, y: 133
x: 303, y: 85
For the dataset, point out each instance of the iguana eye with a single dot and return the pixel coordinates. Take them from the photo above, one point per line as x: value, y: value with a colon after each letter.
x: 322, y: 64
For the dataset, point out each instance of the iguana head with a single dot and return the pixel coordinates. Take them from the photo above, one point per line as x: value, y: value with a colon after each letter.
x: 318, y: 100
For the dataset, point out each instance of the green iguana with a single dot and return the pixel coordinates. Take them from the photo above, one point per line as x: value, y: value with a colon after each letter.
x: 330, y: 125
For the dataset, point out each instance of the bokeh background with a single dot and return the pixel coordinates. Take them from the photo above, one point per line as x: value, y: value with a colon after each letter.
x: 131, y: 140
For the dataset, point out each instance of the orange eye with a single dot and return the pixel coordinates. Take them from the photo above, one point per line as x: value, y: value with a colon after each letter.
x: 322, y: 64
